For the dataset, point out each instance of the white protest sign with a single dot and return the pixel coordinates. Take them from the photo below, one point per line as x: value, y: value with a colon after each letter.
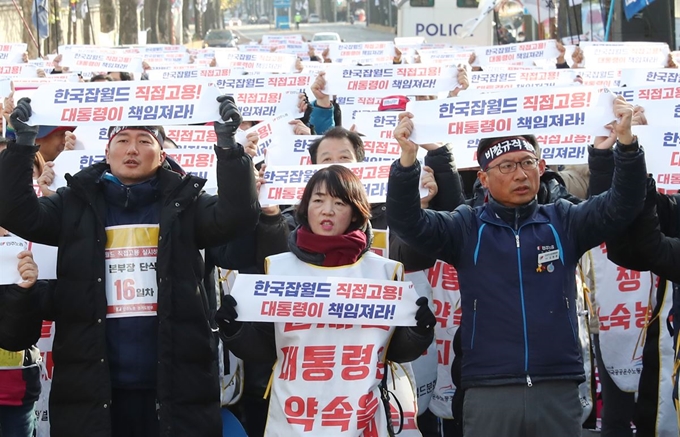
x: 5, y: 87
x: 494, y: 81
x: 20, y: 70
x: 635, y: 77
x: 268, y: 130
x: 272, y: 62
x: 201, y: 163
x: 376, y: 124
x: 293, y: 150
x: 140, y: 103
x: 10, y: 247
x: 313, y: 67
x: 374, y: 53
x: 96, y: 61
x: 164, y: 59
x: 46, y: 259
x: 662, y: 147
x: 290, y: 150
x: 352, y: 103
x: 450, y: 56
x: 189, y: 72
x: 12, y: 53
x: 281, y: 39
x: 515, y: 112
x: 258, y: 105
x: 660, y: 102
x: 599, y: 78
x: 417, y: 79
x: 91, y: 137
x: 608, y: 55
x: 524, y: 53
x: 192, y: 137
x: 279, y: 82
x: 285, y: 184
x: 270, y: 298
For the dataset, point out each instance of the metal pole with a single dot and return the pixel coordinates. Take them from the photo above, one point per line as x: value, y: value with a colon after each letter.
x: 37, y: 27
x: 609, y: 20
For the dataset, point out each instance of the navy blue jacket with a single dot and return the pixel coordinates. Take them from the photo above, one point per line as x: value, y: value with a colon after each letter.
x: 518, y: 323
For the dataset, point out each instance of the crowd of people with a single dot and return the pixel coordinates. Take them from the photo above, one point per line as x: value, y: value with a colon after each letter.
x: 515, y: 230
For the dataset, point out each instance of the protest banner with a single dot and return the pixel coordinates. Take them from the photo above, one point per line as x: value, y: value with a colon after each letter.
x: 190, y: 72
x: 12, y: 53
x: 281, y: 39
x: 420, y: 80
x: 443, y: 279
x: 192, y: 137
x: 521, y: 111
x: 139, y: 103
x: 268, y: 130
x: 285, y: 184
x: 98, y: 61
x: 18, y: 70
x: 261, y: 104
x: 372, y: 53
x: 608, y: 55
x: 261, y: 62
x: 200, y: 163
x: 636, y: 77
x: 495, y: 81
x: 292, y: 82
x: 524, y: 53
x: 622, y: 299
x: 662, y: 148
x: 356, y: 301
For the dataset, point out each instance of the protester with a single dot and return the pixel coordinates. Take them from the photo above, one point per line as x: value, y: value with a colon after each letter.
x: 154, y: 368
x: 19, y: 365
x: 521, y: 369
x: 334, y: 233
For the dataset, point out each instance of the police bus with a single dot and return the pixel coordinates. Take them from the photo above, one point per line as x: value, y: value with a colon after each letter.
x: 442, y: 21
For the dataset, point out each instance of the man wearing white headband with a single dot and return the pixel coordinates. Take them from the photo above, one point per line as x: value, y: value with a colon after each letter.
x: 136, y: 341
x: 516, y: 263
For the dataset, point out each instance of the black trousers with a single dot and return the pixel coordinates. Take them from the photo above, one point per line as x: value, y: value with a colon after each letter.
x: 133, y: 413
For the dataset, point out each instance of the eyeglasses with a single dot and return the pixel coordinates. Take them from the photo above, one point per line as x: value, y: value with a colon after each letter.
x: 508, y: 167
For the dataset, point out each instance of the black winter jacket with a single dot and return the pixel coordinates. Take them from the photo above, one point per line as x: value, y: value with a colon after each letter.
x: 536, y: 336
x: 188, y: 390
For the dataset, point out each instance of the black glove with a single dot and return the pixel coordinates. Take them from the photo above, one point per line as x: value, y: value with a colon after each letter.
x: 231, y: 119
x: 226, y: 316
x: 425, y: 319
x: 25, y: 134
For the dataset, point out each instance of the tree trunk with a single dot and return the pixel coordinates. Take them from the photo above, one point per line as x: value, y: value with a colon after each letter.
x: 186, y: 20
x: 164, y: 22
x: 27, y: 10
x: 151, y: 20
x: 198, y: 19
x: 128, y: 22
x: 107, y: 15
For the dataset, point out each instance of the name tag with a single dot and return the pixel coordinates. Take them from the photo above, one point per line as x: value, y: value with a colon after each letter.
x: 546, y: 257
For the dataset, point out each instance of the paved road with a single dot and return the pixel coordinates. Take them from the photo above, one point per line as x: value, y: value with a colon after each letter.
x: 351, y: 33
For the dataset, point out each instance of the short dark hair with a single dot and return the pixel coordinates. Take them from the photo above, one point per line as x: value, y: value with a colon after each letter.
x: 485, y: 143
x: 339, y: 133
x: 100, y: 77
x: 124, y: 75
x: 342, y: 183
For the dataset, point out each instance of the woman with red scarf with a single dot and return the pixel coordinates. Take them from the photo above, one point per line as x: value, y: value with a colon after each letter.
x: 333, y: 239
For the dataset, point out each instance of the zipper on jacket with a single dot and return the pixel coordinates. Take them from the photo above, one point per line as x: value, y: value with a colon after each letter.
x: 521, y: 295
x: 529, y: 383
x: 474, y: 323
